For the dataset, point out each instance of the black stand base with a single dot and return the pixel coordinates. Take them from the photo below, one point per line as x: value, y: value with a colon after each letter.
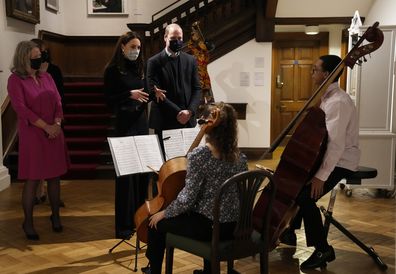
x: 136, y: 247
x: 369, y: 250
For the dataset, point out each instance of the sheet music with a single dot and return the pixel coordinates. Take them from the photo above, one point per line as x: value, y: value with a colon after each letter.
x: 149, y: 152
x: 125, y: 156
x: 177, y: 142
x: 189, y: 135
x: 173, y: 143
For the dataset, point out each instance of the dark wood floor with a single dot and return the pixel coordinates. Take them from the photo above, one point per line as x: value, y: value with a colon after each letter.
x: 88, y: 220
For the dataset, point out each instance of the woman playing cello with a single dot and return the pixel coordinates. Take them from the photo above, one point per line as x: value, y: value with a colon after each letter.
x: 190, y: 214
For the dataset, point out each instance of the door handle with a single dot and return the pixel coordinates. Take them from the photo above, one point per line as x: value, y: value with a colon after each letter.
x: 279, y: 83
x: 281, y: 107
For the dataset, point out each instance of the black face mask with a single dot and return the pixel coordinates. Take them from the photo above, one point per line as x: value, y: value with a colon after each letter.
x: 45, y: 56
x: 35, y: 63
x: 175, y: 45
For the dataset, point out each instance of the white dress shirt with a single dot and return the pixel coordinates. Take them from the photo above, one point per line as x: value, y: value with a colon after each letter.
x: 343, y: 129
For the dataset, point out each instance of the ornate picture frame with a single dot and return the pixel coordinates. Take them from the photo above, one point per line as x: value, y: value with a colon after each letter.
x: 107, y: 7
x: 25, y: 10
x: 52, y: 5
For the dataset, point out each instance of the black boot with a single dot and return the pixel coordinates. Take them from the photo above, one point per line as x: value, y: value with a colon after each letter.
x: 319, y: 259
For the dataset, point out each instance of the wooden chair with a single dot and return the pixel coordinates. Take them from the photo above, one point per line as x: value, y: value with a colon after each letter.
x: 247, y: 242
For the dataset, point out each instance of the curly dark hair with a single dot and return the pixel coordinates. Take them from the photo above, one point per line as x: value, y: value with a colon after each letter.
x: 224, y: 136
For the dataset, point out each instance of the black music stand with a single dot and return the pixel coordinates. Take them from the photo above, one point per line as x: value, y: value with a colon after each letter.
x: 136, y: 247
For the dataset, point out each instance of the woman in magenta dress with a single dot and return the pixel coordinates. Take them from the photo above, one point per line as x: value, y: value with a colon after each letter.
x: 42, y: 150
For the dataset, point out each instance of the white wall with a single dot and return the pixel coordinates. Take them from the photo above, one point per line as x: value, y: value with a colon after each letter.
x: 225, y: 77
x: 78, y: 22
x: 321, y: 8
x: 334, y: 31
x: 382, y: 11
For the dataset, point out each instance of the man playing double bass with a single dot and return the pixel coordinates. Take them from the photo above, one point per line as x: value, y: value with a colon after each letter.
x: 340, y: 160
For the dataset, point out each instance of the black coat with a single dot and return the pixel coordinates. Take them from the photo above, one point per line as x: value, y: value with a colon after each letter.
x: 131, y: 118
x: 179, y: 77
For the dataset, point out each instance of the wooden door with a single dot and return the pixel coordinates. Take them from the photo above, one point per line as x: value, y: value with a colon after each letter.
x: 293, y: 57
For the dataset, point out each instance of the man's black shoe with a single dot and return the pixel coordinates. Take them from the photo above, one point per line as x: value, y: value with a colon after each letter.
x: 288, y: 237
x: 146, y: 270
x: 319, y: 259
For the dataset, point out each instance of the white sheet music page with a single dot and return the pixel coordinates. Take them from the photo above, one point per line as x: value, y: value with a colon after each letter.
x: 189, y: 135
x: 173, y: 143
x: 149, y: 152
x: 125, y: 156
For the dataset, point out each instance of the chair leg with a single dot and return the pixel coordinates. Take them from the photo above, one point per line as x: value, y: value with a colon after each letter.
x: 230, y: 266
x: 169, y: 260
x: 263, y: 263
x: 215, y: 266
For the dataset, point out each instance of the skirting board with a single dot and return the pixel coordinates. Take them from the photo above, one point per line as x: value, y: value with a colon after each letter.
x: 5, y: 178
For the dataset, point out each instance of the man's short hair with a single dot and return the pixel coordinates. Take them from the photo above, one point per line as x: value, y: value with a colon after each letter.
x: 168, y: 27
x: 330, y: 62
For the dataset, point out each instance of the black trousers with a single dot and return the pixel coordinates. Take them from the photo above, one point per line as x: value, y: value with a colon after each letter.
x: 192, y: 225
x: 130, y: 194
x: 310, y: 213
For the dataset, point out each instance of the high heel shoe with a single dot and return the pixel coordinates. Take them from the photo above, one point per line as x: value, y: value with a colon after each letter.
x: 56, y: 228
x: 32, y: 236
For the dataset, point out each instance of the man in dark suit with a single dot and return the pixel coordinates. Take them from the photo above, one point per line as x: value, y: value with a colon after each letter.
x: 172, y: 76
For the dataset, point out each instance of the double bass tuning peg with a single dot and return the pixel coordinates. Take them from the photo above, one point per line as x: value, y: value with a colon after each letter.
x: 361, y: 60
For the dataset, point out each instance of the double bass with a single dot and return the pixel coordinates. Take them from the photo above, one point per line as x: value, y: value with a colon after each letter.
x: 171, y: 178
x: 304, y: 152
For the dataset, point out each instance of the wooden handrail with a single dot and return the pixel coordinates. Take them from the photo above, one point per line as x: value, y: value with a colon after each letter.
x: 9, y: 126
x: 212, y: 15
x: 5, y: 104
x: 158, y: 12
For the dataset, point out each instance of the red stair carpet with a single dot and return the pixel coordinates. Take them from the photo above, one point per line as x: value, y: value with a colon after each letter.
x: 86, y: 127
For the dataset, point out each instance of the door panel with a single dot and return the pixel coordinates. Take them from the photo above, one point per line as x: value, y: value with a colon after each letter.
x: 293, y: 57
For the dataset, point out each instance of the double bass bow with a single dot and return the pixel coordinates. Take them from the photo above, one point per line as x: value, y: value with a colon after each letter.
x: 171, y: 180
x: 304, y: 152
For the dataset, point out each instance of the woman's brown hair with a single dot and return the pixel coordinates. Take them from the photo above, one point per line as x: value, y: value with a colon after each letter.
x: 224, y: 136
x: 118, y: 58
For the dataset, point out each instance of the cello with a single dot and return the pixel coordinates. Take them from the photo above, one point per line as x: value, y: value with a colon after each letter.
x: 171, y: 178
x: 304, y: 152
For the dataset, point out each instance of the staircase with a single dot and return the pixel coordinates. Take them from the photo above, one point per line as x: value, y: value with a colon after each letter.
x: 86, y: 127
x: 227, y: 23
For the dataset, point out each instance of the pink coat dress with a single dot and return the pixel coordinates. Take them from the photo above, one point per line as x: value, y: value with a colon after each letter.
x: 39, y: 156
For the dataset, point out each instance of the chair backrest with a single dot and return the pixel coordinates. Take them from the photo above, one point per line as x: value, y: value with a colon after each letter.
x: 248, y: 184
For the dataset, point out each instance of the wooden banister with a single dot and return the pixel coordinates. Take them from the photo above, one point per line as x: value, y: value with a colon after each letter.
x: 8, y: 126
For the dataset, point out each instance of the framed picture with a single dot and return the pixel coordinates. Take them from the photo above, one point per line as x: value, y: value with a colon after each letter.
x: 25, y: 10
x: 52, y: 5
x: 107, y: 7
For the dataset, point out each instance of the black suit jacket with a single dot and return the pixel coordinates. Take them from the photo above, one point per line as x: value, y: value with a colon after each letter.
x: 159, y: 73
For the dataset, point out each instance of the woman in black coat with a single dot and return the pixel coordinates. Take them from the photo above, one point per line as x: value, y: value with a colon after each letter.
x: 124, y: 90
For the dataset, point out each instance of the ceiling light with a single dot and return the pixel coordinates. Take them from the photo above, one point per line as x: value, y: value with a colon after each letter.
x: 311, y: 30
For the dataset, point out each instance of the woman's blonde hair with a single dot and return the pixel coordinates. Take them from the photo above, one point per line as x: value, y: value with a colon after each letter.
x: 224, y: 136
x: 21, y: 59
